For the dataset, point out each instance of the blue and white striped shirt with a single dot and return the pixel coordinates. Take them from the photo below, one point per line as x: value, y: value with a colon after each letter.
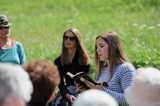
x: 122, y: 76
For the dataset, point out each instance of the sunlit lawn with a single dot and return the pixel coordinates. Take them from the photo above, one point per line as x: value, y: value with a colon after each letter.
x: 39, y: 25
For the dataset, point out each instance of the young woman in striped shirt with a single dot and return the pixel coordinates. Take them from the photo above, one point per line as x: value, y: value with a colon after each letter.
x: 112, y: 66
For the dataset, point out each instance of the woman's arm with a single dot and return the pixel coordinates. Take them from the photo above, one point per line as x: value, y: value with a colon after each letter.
x: 126, y: 75
x: 21, y: 53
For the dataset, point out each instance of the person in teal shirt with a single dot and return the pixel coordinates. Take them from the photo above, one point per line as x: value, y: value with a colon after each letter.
x: 10, y: 50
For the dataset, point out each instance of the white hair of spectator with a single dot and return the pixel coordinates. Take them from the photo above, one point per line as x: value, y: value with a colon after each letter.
x: 95, y: 98
x: 145, y: 88
x: 17, y: 79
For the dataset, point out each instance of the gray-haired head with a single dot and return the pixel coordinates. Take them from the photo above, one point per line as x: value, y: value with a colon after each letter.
x: 14, y: 81
x: 8, y: 97
x: 145, y: 88
x: 95, y: 98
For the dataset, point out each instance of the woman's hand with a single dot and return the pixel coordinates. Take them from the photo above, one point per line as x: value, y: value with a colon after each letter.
x: 92, y: 86
x: 70, y: 98
x: 89, y: 85
x: 100, y: 87
x: 79, y: 87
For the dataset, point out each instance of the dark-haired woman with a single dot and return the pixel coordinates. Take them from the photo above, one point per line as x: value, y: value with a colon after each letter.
x: 74, y: 59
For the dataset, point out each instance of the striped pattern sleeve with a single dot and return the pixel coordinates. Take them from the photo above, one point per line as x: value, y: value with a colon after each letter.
x: 124, y: 74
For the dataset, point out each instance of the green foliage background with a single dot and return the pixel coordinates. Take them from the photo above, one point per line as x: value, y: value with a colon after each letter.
x: 39, y: 25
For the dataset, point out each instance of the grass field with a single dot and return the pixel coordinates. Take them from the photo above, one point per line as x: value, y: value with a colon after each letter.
x: 39, y: 25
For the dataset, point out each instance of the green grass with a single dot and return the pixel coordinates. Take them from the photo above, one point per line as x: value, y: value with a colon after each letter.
x: 39, y: 25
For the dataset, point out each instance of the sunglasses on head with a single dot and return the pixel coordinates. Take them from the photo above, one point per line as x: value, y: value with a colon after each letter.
x: 71, y: 38
x: 4, y: 27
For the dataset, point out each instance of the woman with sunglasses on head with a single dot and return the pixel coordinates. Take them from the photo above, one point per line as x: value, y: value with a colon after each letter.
x: 10, y: 50
x: 112, y: 66
x: 74, y: 59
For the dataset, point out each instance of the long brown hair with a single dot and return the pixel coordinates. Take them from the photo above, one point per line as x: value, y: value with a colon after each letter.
x: 115, y: 52
x: 83, y: 57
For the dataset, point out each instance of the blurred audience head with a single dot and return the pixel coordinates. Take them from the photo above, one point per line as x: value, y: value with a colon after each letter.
x: 95, y: 98
x: 9, y: 97
x: 45, y: 79
x: 15, y: 85
x: 145, y: 88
